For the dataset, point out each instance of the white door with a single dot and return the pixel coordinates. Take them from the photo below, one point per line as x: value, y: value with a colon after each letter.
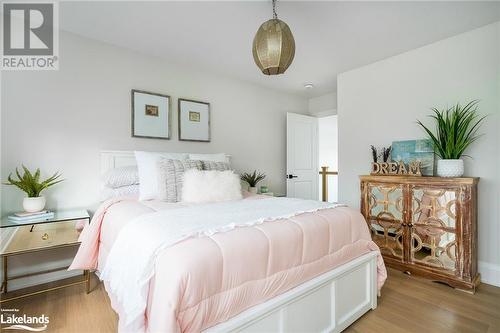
x: 301, y: 156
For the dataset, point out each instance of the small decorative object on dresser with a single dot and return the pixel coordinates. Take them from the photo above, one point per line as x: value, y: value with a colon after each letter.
x: 32, y: 186
x: 271, y: 194
x: 150, y: 115
x: 252, y: 179
x: 397, y: 166
x: 410, y: 151
x: 425, y: 225
x: 385, y: 154
x: 456, y: 129
x: 194, y: 120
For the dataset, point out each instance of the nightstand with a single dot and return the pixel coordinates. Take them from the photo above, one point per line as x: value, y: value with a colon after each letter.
x: 27, y: 237
x: 271, y: 194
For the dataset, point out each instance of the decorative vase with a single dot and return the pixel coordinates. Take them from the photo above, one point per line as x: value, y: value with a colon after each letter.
x: 33, y: 205
x: 264, y: 189
x: 450, y: 168
x: 252, y: 189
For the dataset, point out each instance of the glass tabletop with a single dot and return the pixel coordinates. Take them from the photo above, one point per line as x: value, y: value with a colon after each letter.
x: 59, y: 216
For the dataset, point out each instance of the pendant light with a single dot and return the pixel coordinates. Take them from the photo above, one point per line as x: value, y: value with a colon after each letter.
x: 273, y: 46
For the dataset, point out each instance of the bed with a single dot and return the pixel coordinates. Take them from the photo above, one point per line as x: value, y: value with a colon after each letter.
x: 313, y: 270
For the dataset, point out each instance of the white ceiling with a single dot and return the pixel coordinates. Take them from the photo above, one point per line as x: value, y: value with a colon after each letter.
x: 331, y: 37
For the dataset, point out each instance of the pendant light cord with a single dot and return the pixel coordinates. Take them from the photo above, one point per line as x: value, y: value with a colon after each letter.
x: 275, y: 16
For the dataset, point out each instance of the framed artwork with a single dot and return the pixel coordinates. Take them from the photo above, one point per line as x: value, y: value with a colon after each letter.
x: 150, y: 115
x: 194, y: 120
x: 415, y: 150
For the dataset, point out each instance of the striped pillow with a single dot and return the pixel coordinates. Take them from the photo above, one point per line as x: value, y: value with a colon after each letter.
x: 122, y: 176
x: 217, y: 166
x: 171, y: 177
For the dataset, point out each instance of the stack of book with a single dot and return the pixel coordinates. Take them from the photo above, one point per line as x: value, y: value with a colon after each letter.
x: 25, y: 217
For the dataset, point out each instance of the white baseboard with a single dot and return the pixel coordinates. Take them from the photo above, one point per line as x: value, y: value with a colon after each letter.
x: 490, y: 273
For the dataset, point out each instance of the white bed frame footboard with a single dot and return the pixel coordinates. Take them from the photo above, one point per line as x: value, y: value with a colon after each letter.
x: 327, y: 303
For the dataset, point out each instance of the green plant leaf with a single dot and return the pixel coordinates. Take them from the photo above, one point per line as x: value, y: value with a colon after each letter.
x: 252, y: 178
x: 456, y: 129
x: 30, y: 183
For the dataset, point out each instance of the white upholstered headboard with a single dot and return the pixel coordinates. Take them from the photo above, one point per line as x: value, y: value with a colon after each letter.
x: 111, y: 159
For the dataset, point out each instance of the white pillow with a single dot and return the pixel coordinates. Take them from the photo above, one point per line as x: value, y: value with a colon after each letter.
x: 123, y: 191
x: 148, y: 173
x: 122, y: 176
x: 221, y: 157
x: 210, y: 186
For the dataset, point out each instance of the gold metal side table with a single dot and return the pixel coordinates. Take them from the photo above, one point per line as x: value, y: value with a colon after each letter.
x: 22, y: 238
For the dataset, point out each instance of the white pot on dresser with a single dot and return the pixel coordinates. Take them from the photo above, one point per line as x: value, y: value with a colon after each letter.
x: 33, y: 205
x: 450, y: 168
x: 252, y: 189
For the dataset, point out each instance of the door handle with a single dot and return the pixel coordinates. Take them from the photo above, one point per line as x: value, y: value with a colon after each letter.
x: 291, y: 176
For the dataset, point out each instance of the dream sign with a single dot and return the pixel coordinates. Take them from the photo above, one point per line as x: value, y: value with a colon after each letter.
x: 396, y: 168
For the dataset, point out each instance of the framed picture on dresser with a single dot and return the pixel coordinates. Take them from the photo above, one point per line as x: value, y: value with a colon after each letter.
x: 150, y: 115
x: 194, y: 120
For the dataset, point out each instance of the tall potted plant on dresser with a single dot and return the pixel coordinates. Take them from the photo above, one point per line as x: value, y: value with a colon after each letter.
x: 456, y: 130
x: 31, y: 184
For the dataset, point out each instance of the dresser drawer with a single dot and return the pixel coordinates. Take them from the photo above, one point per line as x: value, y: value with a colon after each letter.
x: 28, y: 238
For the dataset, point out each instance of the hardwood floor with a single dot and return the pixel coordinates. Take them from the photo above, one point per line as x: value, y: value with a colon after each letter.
x: 412, y: 304
x: 407, y: 304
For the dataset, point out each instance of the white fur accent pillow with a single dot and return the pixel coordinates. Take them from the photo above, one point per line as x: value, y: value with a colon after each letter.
x: 210, y: 186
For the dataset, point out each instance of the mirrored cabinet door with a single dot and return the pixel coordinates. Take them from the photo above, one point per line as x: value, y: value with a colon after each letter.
x: 434, y: 228
x: 385, y: 207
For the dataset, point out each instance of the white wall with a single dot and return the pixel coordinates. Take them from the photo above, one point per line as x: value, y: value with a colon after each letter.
x: 323, y: 105
x: 328, y: 153
x: 380, y: 103
x: 60, y: 120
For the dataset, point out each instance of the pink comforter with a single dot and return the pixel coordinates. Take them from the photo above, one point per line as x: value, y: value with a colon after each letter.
x: 201, y: 282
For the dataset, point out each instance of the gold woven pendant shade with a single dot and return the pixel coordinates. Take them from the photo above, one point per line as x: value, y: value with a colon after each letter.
x: 273, y: 47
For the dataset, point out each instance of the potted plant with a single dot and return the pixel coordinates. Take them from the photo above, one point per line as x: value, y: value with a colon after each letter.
x: 252, y: 179
x: 32, y: 186
x: 456, y: 129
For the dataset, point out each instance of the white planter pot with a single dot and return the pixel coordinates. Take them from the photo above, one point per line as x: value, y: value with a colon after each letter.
x: 450, y: 168
x: 33, y: 205
x: 252, y: 190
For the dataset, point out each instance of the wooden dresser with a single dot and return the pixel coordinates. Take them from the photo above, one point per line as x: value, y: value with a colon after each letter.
x: 425, y: 225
